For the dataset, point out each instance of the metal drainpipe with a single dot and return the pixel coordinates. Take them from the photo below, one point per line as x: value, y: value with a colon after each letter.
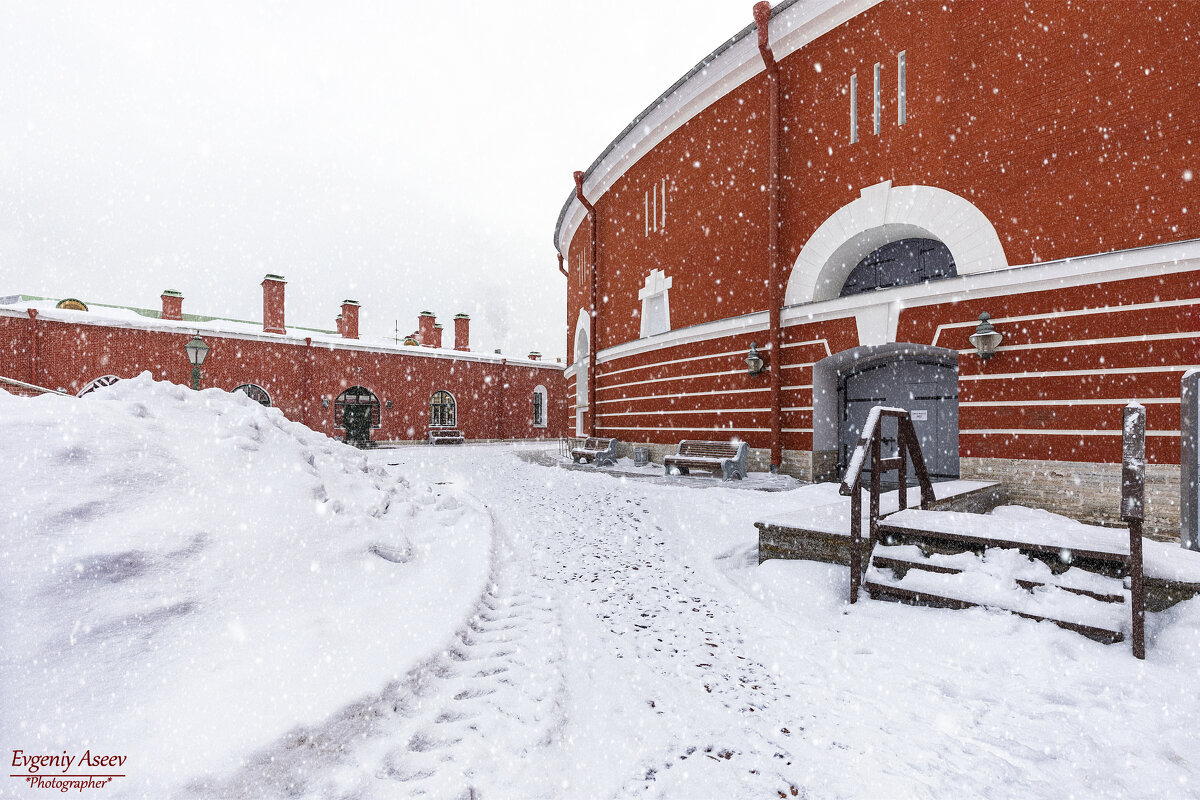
x: 762, y: 18
x: 560, y: 267
x: 304, y: 403
x: 594, y: 311
x: 502, y: 409
x: 33, y: 346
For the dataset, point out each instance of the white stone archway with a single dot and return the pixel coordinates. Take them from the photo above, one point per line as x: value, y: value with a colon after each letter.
x: 884, y: 214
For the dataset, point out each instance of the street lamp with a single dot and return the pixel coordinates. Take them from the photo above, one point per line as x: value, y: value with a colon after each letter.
x: 197, y: 351
x: 985, y: 338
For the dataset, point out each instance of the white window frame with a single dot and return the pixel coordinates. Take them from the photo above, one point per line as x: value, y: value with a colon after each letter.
x: 878, y: 115
x: 901, y: 88
x: 854, y: 108
x: 657, y: 284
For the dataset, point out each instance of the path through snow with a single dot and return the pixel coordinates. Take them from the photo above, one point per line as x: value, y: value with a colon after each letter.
x: 630, y: 645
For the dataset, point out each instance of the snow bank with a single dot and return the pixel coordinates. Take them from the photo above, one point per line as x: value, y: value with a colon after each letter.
x: 190, y: 576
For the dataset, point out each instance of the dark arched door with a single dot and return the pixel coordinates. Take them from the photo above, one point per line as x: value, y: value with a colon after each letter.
x: 927, y: 388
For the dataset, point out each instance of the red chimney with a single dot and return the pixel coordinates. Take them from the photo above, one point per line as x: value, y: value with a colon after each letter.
x: 437, y: 335
x: 172, y: 305
x: 273, y: 304
x: 534, y: 355
x: 340, y: 329
x: 462, y: 330
x: 349, y: 319
x: 425, y: 323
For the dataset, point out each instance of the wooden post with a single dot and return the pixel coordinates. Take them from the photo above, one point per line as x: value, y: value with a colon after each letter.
x: 855, y: 540
x: 1133, y: 511
x: 873, y: 530
x: 902, y: 452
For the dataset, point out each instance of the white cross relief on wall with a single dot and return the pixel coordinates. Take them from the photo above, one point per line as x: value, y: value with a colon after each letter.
x: 656, y: 309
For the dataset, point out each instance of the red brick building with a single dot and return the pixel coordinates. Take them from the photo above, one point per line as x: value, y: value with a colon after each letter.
x: 311, y: 375
x: 849, y: 185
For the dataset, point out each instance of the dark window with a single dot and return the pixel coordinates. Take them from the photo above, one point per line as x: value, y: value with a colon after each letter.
x: 538, y: 409
x: 901, y: 263
x: 442, y: 411
x: 356, y: 396
x: 255, y: 393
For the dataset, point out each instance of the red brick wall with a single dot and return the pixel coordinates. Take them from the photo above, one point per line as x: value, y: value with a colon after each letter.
x: 493, y: 401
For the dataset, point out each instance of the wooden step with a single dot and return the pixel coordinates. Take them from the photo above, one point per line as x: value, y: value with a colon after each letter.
x: 1034, y: 575
x: 1088, y: 542
x: 1006, y: 580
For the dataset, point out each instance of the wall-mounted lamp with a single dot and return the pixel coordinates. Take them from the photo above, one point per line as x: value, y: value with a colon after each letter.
x: 754, y: 362
x: 325, y: 402
x: 389, y: 405
x: 985, y: 338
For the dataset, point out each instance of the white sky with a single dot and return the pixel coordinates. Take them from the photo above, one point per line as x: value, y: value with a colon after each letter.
x: 406, y: 155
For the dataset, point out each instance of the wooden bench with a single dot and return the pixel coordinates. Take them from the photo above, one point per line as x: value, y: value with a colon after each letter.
x: 446, y: 436
x: 728, y: 458
x: 597, y: 451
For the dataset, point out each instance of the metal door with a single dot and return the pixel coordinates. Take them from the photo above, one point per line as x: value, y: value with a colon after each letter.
x: 927, y: 389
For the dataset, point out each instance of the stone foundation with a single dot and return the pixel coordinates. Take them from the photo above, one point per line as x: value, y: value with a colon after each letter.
x: 1084, y: 491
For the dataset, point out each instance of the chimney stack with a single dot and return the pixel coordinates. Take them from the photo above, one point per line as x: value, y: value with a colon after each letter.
x: 348, y: 325
x: 273, y: 304
x: 172, y: 305
x: 534, y: 355
x: 425, y: 323
x: 437, y: 335
x: 462, y: 331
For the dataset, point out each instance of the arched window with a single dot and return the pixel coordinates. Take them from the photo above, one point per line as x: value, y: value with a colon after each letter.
x: 443, y: 411
x: 98, y: 383
x: 540, y: 395
x: 356, y: 396
x: 901, y: 263
x: 255, y: 393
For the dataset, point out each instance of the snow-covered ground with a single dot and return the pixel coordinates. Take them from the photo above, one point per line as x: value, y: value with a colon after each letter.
x: 194, y: 581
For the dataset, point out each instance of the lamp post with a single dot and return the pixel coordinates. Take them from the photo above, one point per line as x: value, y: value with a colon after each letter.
x: 985, y: 338
x: 197, y: 351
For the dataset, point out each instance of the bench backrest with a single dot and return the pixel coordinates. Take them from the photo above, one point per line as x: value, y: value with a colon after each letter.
x: 689, y: 447
x: 597, y: 444
x: 443, y: 433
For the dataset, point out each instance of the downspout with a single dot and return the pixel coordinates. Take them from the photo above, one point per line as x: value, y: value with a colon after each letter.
x: 503, y: 409
x: 593, y: 310
x: 33, y: 346
x: 762, y: 18
x: 307, y: 398
x: 560, y: 267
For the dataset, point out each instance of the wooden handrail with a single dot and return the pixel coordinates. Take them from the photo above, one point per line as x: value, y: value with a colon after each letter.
x: 1133, y: 511
x: 909, y: 447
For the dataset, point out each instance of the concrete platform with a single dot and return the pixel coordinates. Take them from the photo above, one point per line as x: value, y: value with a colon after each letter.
x: 823, y: 533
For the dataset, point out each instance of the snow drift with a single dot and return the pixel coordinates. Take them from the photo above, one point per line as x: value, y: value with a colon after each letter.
x: 190, y: 575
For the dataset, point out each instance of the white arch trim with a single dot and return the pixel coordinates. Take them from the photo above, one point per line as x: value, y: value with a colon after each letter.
x: 545, y: 395
x: 884, y: 214
x: 583, y: 325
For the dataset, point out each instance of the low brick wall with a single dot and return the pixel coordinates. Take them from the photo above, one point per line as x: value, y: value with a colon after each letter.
x: 1084, y: 491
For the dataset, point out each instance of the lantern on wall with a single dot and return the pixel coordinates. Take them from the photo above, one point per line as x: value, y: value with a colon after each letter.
x: 985, y: 338
x: 197, y: 350
x: 754, y: 362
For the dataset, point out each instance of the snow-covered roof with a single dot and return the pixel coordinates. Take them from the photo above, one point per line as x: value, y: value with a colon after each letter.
x: 145, y: 319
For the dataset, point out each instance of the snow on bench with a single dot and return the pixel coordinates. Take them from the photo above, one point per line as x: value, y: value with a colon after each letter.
x: 728, y: 458
x: 598, y: 451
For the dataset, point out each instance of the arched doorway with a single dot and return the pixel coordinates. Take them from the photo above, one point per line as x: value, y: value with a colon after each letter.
x: 926, y: 386
x: 356, y: 411
x: 902, y: 263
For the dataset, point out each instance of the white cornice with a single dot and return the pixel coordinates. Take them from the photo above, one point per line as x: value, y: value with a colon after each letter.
x: 790, y: 29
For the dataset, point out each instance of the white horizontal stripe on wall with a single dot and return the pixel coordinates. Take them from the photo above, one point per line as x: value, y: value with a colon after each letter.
x: 607, y: 373
x: 683, y: 394
x: 798, y: 408
x: 1036, y: 432
x: 1076, y: 372
x: 797, y: 430
x: 1075, y: 312
x: 825, y: 342
x: 795, y: 388
x: 1071, y: 402
x: 672, y: 378
x: 689, y: 428
x: 685, y: 411
x: 1146, y: 337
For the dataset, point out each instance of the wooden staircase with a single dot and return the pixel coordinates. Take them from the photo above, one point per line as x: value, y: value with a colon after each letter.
x: 1085, y: 579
